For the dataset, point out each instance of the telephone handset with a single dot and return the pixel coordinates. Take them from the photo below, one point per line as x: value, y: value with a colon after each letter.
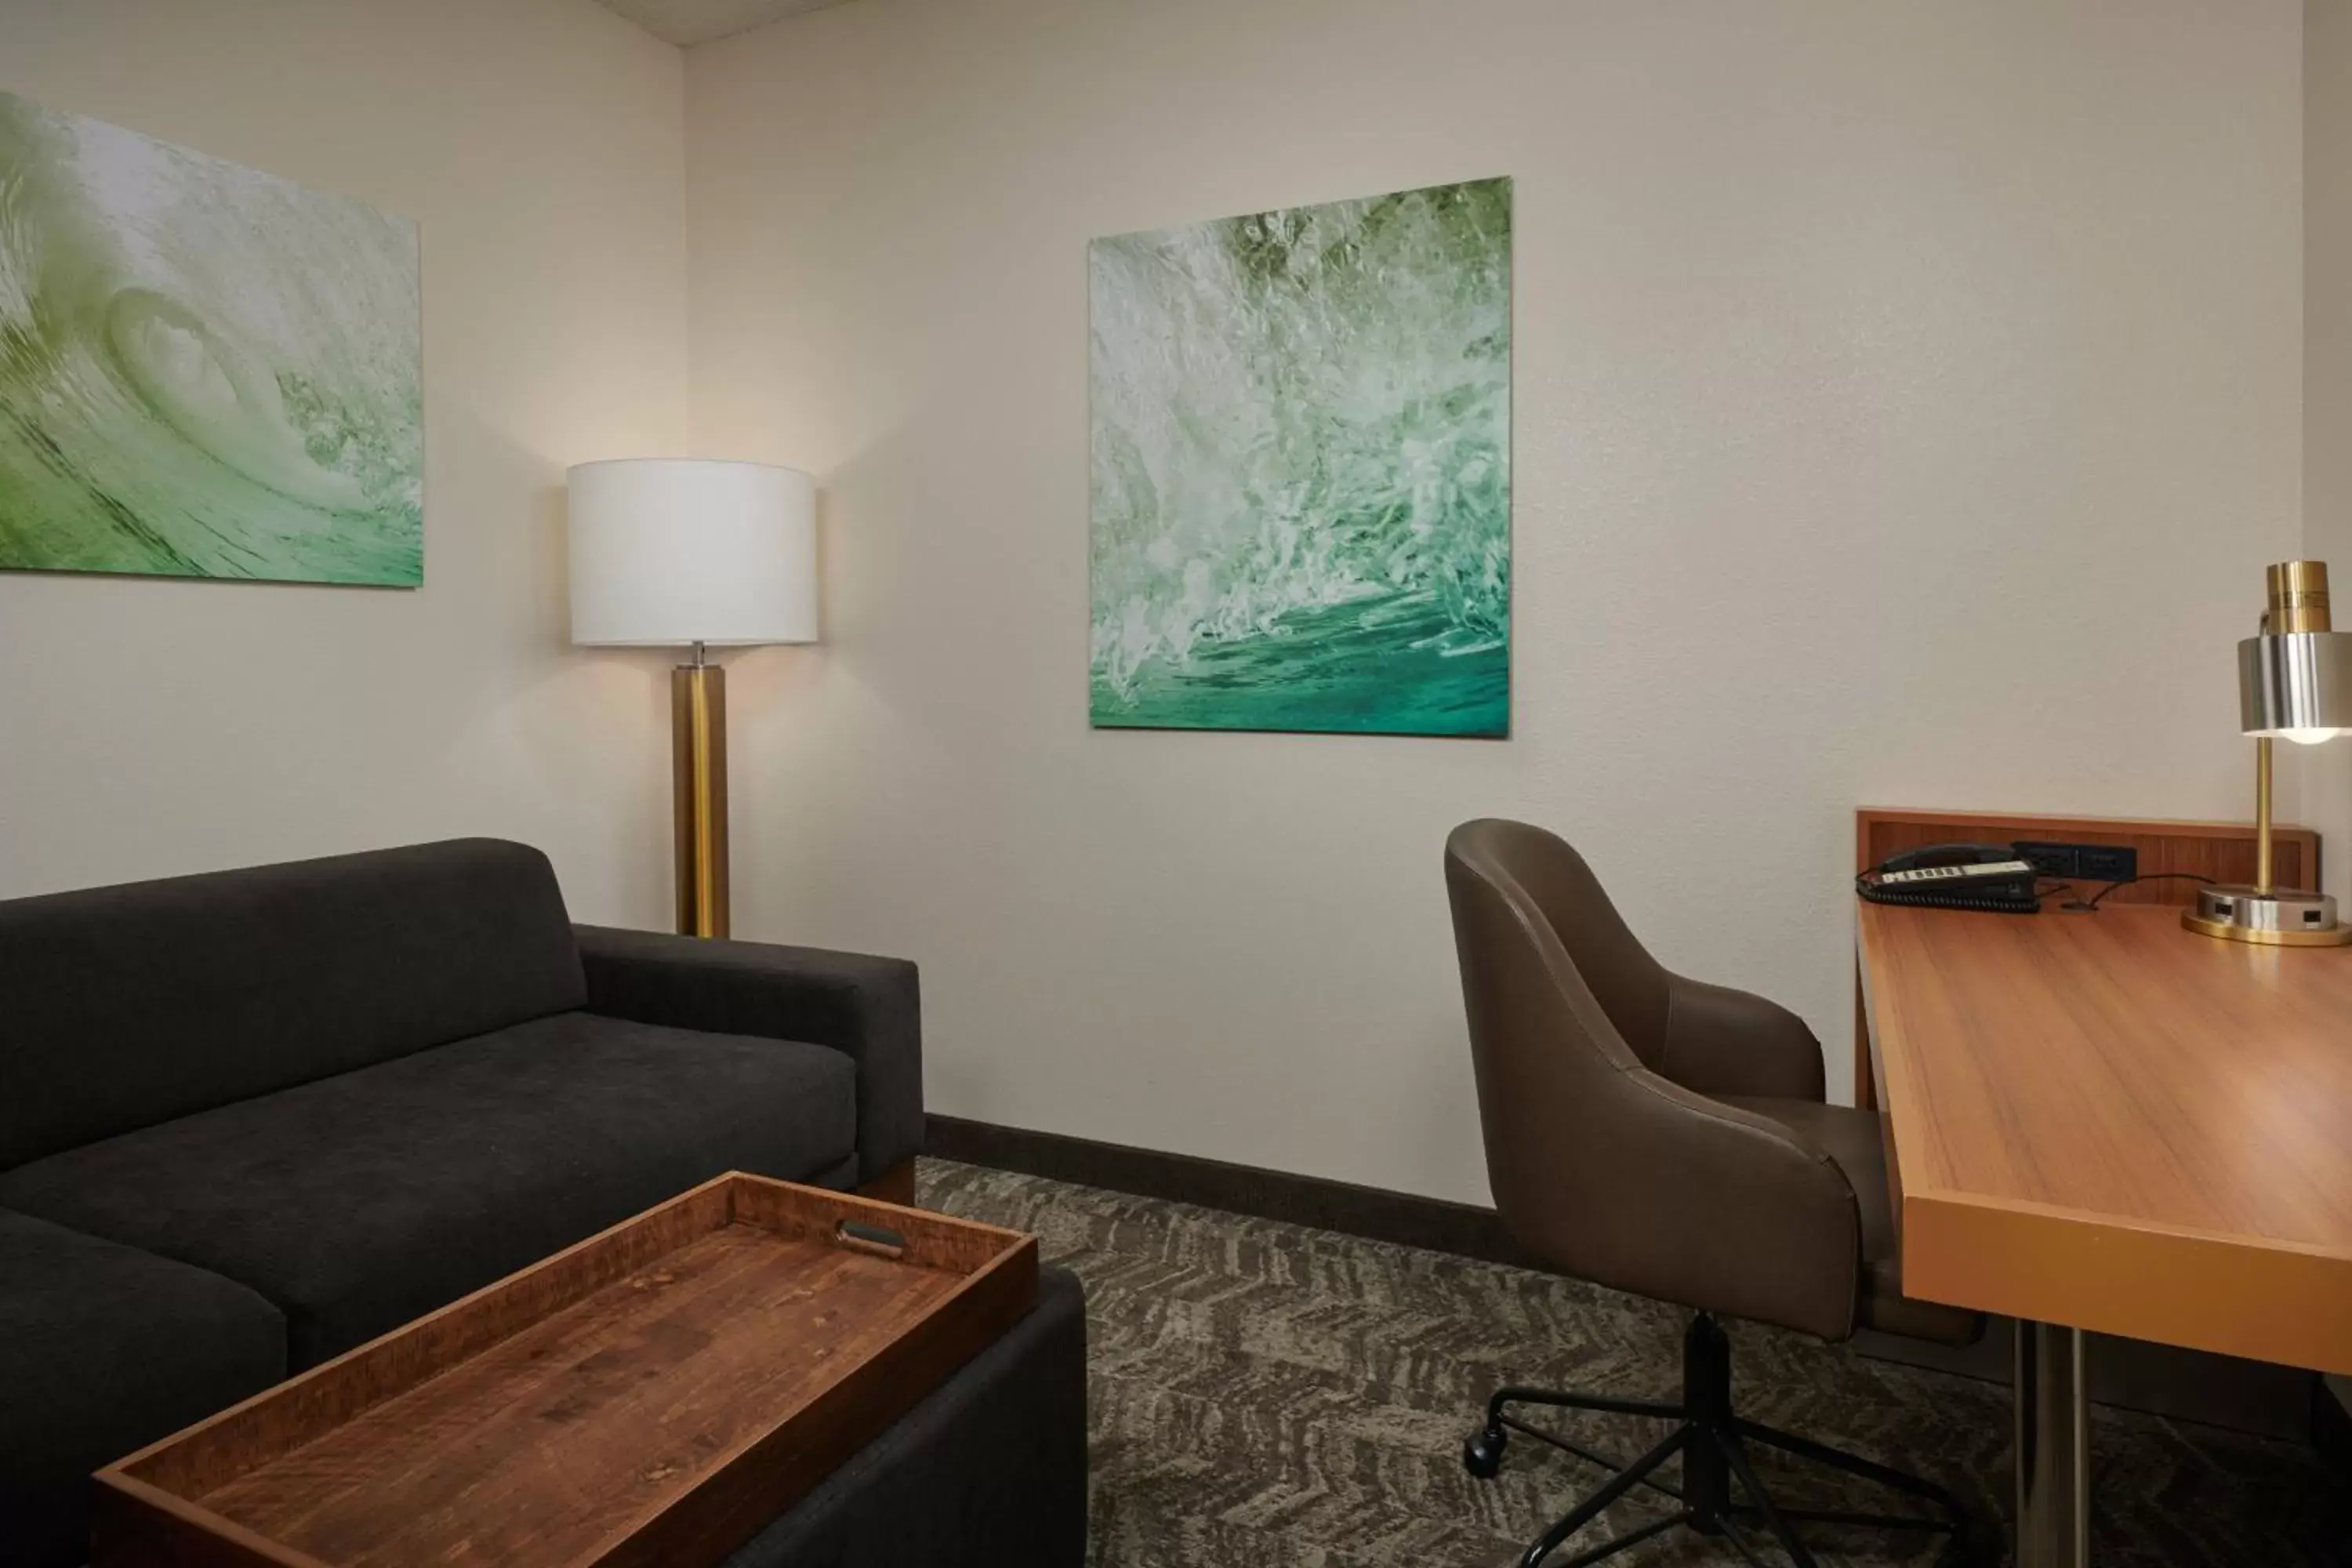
x: 1991, y: 876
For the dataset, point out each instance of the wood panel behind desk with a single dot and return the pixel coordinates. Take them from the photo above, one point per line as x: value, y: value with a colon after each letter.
x: 2223, y: 851
x: 2106, y: 1121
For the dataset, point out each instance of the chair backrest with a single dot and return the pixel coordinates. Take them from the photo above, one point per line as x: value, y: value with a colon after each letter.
x: 1568, y: 1015
x: 123, y: 1007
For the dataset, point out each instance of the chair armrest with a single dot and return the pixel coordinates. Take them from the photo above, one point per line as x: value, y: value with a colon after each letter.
x: 1685, y: 1199
x: 868, y: 1008
x: 1719, y: 1041
x: 1771, y: 1226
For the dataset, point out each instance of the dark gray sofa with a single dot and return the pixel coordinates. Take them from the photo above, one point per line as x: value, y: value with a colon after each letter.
x: 250, y: 1119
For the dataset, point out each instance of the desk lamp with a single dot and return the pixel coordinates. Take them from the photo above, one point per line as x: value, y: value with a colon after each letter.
x: 2295, y: 681
x: 687, y: 554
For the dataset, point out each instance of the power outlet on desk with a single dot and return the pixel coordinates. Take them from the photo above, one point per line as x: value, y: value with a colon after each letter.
x: 2050, y: 860
x: 2090, y: 862
x: 2108, y: 862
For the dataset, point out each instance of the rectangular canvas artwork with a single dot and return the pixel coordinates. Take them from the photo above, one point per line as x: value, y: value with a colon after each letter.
x: 1301, y: 485
x: 206, y: 370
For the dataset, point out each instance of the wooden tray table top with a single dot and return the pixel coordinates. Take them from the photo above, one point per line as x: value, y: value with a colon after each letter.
x: 654, y: 1395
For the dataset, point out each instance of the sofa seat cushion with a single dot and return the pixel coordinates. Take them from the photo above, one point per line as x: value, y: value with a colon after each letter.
x: 104, y: 1349
x: 362, y: 1201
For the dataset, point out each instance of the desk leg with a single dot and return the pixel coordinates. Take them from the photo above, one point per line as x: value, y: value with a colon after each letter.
x: 2054, y: 1449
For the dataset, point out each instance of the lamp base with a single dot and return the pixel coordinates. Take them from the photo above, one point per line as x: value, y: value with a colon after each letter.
x: 2280, y: 917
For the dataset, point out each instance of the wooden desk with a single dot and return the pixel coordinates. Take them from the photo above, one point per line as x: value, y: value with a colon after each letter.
x: 2104, y: 1121
x: 2107, y: 1121
x: 2223, y: 851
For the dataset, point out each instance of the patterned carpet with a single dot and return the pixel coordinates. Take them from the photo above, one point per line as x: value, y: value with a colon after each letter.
x: 1268, y: 1396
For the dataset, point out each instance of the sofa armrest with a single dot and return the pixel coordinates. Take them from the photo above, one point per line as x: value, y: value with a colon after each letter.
x: 868, y: 1008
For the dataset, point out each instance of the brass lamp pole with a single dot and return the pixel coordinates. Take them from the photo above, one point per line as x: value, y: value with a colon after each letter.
x: 697, y: 705
x: 691, y: 554
x: 2294, y: 683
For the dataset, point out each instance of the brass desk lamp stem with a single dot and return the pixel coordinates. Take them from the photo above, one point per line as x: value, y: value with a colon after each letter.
x: 2288, y: 604
x: 2262, y: 814
x: 698, y: 763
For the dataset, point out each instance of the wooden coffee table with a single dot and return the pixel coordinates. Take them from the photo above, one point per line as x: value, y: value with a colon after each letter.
x: 654, y: 1395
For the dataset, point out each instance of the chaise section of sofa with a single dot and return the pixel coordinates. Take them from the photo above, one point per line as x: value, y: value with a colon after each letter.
x: 345, y: 1092
x: 102, y: 1350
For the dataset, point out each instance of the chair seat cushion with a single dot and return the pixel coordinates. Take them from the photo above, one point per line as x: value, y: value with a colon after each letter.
x: 1852, y: 1138
x: 362, y: 1201
x: 104, y: 1349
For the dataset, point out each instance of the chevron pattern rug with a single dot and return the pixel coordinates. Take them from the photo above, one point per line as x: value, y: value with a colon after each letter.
x: 1269, y: 1396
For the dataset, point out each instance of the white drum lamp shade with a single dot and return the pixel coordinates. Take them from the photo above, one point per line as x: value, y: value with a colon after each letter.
x: 672, y: 551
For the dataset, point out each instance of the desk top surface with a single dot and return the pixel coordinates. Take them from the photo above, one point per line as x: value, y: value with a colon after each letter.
x: 2091, y: 1109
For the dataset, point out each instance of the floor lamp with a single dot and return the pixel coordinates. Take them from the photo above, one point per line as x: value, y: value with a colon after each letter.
x: 683, y: 553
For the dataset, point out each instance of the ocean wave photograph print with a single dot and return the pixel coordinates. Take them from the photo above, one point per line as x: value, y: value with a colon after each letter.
x: 206, y: 370
x: 1301, y: 469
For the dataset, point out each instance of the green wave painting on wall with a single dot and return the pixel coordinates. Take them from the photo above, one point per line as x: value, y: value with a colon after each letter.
x: 206, y: 370
x: 1301, y: 489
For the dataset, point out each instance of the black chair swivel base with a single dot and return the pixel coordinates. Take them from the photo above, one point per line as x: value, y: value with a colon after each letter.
x: 1712, y: 1439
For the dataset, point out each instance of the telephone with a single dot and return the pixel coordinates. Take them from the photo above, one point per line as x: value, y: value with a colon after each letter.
x: 1991, y: 876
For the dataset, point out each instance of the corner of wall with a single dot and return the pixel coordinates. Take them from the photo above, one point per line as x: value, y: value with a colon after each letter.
x: 2325, y: 775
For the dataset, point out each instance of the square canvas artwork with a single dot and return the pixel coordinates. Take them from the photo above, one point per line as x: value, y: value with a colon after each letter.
x: 206, y: 370
x: 1301, y: 475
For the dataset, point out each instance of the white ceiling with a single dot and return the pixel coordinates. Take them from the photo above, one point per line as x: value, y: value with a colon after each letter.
x: 689, y: 22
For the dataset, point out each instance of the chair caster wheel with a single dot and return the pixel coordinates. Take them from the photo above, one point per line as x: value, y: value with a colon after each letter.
x: 1481, y: 1453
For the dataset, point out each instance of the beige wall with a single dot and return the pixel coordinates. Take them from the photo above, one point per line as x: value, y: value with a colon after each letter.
x: 1908, y: 397
x: 2327, y: 774
x: 152, y: 726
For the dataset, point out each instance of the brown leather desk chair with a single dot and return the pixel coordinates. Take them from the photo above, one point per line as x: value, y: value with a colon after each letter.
x: 1667, y: 1137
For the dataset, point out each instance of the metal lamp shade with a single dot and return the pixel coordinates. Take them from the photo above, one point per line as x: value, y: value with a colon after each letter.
x: 2291, y: 681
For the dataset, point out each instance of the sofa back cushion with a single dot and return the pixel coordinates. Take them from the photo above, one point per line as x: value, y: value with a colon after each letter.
x: 122, y: 1007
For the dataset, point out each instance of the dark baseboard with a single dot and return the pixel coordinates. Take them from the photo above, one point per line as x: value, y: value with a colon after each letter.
x: 2249, y: 1397
x: 1467, y: 1230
